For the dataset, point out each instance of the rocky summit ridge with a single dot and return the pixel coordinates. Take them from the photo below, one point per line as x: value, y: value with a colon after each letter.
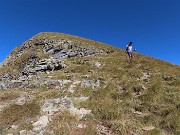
x: 60, y: 84
x: 43, y: 53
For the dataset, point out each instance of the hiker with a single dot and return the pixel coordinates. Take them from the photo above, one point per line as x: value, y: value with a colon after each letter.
x: 129, y: 51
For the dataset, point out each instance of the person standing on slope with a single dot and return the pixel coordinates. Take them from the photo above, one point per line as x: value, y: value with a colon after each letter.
x: 129, y: 51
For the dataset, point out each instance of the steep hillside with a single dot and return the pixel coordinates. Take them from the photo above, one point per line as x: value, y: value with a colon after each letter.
x: 60, y: 84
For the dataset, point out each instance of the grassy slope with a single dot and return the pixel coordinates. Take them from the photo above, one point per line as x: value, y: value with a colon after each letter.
x: 133, y: 96
x: 156, y: 96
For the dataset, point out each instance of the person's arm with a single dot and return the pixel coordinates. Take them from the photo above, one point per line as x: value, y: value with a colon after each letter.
x: 126, y: 48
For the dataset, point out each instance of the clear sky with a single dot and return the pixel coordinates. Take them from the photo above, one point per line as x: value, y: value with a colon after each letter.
x: 152, y: 25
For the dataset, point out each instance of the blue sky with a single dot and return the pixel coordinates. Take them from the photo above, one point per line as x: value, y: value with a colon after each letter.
x: 152, y: 25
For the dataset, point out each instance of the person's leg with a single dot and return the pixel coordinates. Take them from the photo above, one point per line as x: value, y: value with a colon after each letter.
x: 130, y: 57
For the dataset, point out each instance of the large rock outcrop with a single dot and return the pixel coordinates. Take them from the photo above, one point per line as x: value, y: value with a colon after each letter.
x: 43, y: 53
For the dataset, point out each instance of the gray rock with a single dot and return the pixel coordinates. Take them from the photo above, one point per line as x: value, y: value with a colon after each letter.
x: 21, y: 101
x: 34, y: 85
x: 23, y: 132
x: 80, y: 99
x: 43, y: 65
x: 10, y: 84
x: 24, y: 97
x: 98, y: 64
x: 2, y: 106
x: 48, y: 48
x: 41, y: 123
x: 50, y: 51
x: 14, y: 127
x: 60, y: 83
x: 3, y: 86
x: 72, y: 87
x: 102, y: 130
x: 22, y: 78
x: 53, y: 83
x: 81, y: 126
x: 148, y: 128
x: 15, y: 83
x: 138, y: 113
x: 54, y: 105
x: 90, y: 83
x: 60, y: 55
x: 80, y: 113
x: 41, y: 68
x: 72, y: 54
x: 39, y: 43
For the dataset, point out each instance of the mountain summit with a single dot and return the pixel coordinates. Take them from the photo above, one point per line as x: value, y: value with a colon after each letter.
x: 61, y: 84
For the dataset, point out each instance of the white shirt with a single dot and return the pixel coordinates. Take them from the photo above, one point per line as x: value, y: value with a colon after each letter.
x: 129, y: 48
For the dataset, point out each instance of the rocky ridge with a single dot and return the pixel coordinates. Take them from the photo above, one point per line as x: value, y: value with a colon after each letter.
x: 42, y: 54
